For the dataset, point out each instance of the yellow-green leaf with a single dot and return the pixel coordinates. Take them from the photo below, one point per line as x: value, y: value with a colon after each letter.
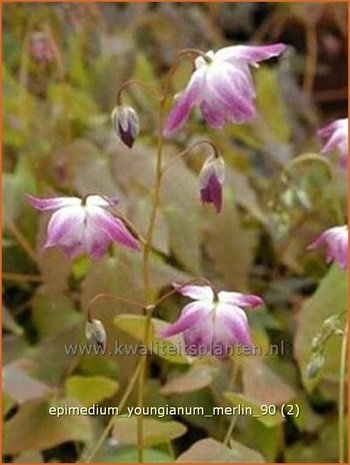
x: 90, y: 390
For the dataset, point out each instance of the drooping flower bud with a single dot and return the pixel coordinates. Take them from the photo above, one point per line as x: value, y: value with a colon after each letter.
x: 211, y: 180
x: 315, y: 365
x: 126, y: 124
x: 95, y: 333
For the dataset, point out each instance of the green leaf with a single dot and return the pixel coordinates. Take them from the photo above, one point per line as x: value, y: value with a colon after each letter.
x: 29, y: 457
x: 22, y: 387
x: 7, y: 404
x: 15, y: 186
x: 196, y: 377
x: 122, y: 275
x: 212, y: 451
x: 270, y: 104
x: 241, y: 400
x: 70, y: 104
x: 45, y: 430
x: 129, y: 455
x: 94, y: 364
x: 179, y: 206
x: 155, y: 431
x: 92, y: 171
x: 50, y: 355
x: 200, y: 400
x: 230, y: 246
x: 53, y: 312
x: 9, y: 323
x: 90, y: 390
x: 263, y: 385
x: 330, y: 298
x: 268, y: 440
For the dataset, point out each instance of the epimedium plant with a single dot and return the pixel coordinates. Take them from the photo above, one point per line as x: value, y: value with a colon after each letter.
x: 221, y: 86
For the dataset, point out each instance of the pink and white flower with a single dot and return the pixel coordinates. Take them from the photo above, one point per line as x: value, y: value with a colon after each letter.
x: 336, y: 242
x: 221, y: 86
x: 211, y: 180
x: 83, y: 226
x: 212, y: 323
x: 336, y: 134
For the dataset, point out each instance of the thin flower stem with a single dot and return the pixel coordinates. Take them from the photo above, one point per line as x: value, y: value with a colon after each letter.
x: 148, y: 244
x: 230, y: 430
x: 233, y: 376
x: 25, y: 278
x: 189, y: 149
x: 313, y: 157
x: 105, y: 295
x: 342, y: 393
x: 311, y: 58
x: 309, y: 157
x: 186, y: 52
x: 135, y: 82
x: 146, y: 279
x: 111, y: 422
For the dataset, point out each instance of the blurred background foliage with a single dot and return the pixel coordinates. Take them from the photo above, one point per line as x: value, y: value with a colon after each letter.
x: 62, y: 66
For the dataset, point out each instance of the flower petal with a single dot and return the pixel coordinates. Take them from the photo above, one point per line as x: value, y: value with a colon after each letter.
x: 214, y: 113
x: 336, y: 241
x: 337, y: 135
x: 52, y: 203
x: 191, y: 314
x: 112, y: 226
x: 62, y: 223
x: 231, y: 85
x: 212, y: 192
x: 240, y: 300
x: 185, y: 102
x: 236, y: 323
x: 96, y: 242
x: 320, y: 240
x: 251, y: 54
x: 199, y: 337
x: 204, y: 293
x: 73, y: 245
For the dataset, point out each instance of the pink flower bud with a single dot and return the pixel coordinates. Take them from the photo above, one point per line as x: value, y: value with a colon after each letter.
x: 211, y: 179
x: 126, y: 124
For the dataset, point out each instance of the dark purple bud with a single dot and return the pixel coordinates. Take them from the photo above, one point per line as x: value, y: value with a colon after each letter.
x: 126, y: 124
x: 211, y: 179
